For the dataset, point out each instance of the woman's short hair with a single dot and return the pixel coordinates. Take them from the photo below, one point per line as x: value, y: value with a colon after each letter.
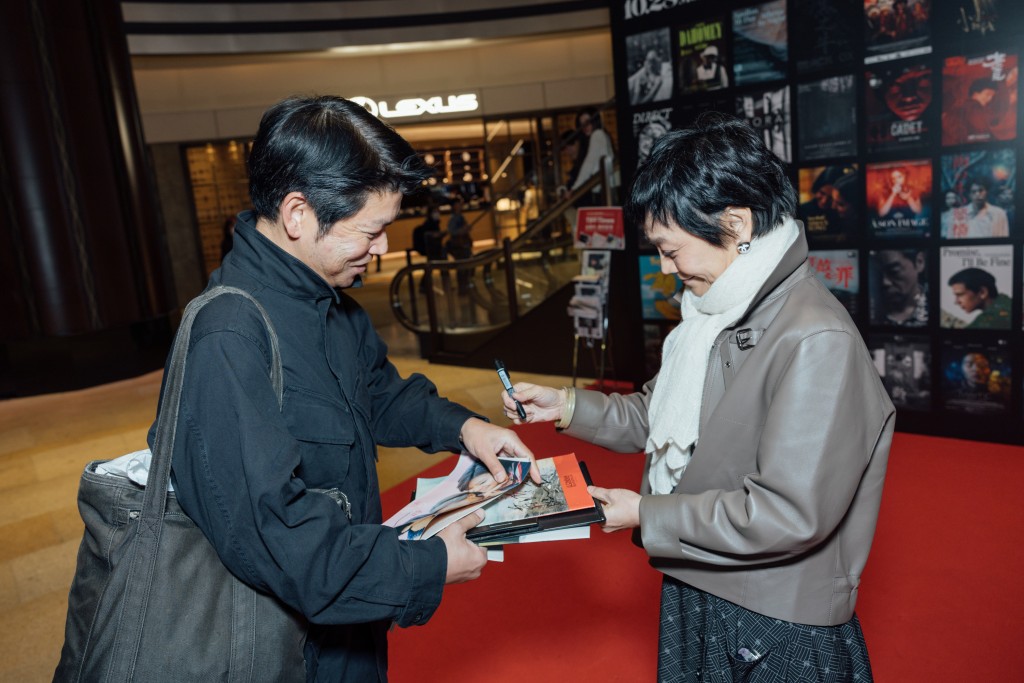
x: 694, y: 174
x: 334, y: 152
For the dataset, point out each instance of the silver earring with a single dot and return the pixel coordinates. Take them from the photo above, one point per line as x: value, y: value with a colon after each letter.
x: 743, y: 247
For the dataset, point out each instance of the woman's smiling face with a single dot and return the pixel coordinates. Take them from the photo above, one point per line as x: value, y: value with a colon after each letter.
x: 695, y: 262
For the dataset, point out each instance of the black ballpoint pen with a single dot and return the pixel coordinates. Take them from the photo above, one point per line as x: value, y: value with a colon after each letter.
x: 507, y: 383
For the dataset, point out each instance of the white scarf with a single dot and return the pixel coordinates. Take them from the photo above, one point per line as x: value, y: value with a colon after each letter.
x: 674, y: 412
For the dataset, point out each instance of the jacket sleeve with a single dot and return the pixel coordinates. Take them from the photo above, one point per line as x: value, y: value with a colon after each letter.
x: 617, y: 422
x: 816, y: 442
x: 234, y: 464
x: 408, y: 412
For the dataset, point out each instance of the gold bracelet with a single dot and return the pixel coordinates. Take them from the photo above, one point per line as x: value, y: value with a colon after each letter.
x: 568, y: 409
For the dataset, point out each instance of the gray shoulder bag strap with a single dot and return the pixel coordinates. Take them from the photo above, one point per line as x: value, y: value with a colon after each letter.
x: 125, y: 654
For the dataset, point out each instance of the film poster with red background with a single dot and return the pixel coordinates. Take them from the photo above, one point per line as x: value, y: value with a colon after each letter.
x: 899, y: 198
x: 898, y: 105
x: 979, y: 98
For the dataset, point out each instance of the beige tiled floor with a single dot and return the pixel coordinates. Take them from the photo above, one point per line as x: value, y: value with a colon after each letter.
x: 44, y: 443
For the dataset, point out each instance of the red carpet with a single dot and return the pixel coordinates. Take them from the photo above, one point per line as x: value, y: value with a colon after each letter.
x: 938, y: 601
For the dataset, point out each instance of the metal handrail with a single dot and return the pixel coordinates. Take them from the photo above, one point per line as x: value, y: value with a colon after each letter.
x: 486, y: 260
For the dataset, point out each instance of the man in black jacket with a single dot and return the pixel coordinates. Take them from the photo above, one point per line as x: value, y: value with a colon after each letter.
x: 289, y: 496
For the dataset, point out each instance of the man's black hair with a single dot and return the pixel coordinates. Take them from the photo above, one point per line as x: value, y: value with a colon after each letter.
x: 693, y: 175
x: 982, y: 181
x: 975, y: 279
x: 980, y: 85
x: 334, y: 152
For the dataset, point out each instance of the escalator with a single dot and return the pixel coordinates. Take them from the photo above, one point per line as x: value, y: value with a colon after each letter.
x: 508, y: 301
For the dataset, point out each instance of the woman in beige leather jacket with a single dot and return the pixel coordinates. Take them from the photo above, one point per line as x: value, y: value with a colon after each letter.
x: 767, y: 430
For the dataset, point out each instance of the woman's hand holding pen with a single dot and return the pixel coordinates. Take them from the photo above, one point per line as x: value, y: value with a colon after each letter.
x: 542, y: 404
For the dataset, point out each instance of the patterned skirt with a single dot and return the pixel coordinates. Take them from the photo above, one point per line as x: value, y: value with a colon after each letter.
x: 705, y: 639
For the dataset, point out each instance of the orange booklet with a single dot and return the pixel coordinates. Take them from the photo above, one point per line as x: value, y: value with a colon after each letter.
x: 560, y: 501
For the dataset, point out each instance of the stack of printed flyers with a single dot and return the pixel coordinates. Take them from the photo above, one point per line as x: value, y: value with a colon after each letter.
x: 517, y: 510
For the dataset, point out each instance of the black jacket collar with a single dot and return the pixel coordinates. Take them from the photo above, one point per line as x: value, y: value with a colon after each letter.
x: 261, y: 259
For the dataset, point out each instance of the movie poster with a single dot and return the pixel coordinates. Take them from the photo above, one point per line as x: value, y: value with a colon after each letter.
x: 828, y: 118
x: 899, y: 198
x: 702, y: 61
x: 839, y: 271
x: 898, y: 104
x: 898, y: 289
x: 979, y: 98
x: 649, y: 63
x: 648, y: 127
x: 657, y: 290
x: 760, y: 43
x: 978, y: 190
x: 825, y: 37
x: 830, y: 204
x: 976, y: 377
x: 686, y: 111
x: 894, y: 29
x: 976, y: 287
x: 768, y: 113
x: 972, y: 19
x: 904, y: 363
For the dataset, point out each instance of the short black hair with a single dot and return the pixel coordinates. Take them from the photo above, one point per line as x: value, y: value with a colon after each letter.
x: 980, y: 180
x: 974, y: 279
x: 476, y: 468
x: 694, y: 174
x: 334, y: 152
x: 980, y: 85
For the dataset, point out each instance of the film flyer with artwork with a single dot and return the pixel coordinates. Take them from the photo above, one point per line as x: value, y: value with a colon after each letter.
x: 898, y: 105
x: 648, y: 127
x: 702, y: 61
x: 599, y: 227
x: 979, y: 98
x: 839, y: 271
x: 976, y: 377
x: 899, y: 198
x: 977, y: 193
x: 977, y: 286
x: 904, y: 363
x: 469, y: 486
x: 760, y: 46
x: 825, y: 37
x: 828, y: 110
x: 896, y: 29
x: 768, y: 113
x: 830, y: 205
x: 898, y: 290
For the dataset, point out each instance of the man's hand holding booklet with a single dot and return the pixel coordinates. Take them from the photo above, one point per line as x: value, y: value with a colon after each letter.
x: 515, y: 510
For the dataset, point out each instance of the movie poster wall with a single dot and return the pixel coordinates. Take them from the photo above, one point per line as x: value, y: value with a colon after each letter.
x: 899, y: 124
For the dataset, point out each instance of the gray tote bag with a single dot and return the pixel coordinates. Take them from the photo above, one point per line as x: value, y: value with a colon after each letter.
x: 151, y: 601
